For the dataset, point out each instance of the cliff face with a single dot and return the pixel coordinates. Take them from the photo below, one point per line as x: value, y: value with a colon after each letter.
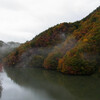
x: 72, y: 48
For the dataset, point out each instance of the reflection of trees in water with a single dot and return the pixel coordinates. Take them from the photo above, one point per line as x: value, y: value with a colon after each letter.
x: 0, y: 80
x: 57, y: 85
x: 0, y: 89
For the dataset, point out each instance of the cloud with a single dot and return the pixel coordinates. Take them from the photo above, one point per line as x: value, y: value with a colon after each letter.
x: 16, y: 36
x: 20, y: 20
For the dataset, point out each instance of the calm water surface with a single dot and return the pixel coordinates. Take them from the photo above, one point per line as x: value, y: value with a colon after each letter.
x: 39, y: 84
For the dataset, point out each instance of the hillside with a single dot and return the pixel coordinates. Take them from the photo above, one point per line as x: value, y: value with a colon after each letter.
x: 71, y: 48
x: 6, y: 48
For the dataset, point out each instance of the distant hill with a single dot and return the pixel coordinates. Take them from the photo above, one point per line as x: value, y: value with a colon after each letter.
x: 6, y: 48
x: 71, y: 48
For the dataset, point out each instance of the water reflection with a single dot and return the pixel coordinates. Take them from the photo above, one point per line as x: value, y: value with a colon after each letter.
x: 0, y: 80
x: 55, y: 86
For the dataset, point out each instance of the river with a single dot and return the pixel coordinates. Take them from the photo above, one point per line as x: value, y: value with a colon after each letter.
x: 40, y: 84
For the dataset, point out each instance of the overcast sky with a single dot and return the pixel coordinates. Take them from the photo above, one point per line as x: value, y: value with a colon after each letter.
x: 21, y: 20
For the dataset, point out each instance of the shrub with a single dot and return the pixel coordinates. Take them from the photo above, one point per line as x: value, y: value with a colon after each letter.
x: 76, y: 64
x: 51, y: 62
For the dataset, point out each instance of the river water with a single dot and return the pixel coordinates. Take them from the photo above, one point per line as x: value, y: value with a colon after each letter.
x: 39, y: 84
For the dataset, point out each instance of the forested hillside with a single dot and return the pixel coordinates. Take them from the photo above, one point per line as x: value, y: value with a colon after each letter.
x: 6, y: 48
x: 71, y: 48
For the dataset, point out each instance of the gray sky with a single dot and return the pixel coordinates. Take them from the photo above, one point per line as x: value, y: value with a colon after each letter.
x: 21, y: 20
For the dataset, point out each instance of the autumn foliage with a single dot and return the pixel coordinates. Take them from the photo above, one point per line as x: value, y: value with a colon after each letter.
x: 74, y: 48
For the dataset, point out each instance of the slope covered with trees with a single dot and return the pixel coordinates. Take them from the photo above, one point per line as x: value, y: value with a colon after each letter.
x: 6, y: 48
x: 71, y: 48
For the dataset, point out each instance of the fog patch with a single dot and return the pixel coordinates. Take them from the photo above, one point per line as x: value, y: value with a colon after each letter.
x: 6, y: 48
